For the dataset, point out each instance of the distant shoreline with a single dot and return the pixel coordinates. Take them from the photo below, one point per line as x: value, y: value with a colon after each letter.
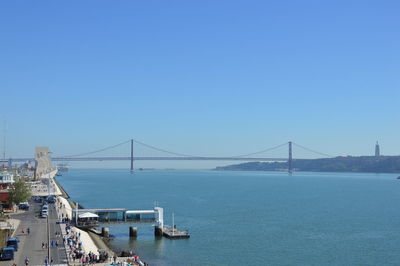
x: 349, y: 164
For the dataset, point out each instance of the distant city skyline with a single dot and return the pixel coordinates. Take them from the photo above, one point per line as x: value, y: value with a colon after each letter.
x: 208, y: 78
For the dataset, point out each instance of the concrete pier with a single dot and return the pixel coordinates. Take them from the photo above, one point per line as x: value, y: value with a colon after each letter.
x: 132, y: 231
x: 105, y: 232
x: 158, y: 231
x: 173, y: 233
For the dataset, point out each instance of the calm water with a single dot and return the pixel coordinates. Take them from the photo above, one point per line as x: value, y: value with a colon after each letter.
x: 257, y: 218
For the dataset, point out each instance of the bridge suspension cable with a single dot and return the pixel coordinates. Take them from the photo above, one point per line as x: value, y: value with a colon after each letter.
x: 189, y: 155
x: 97, y: 151
x: 262, y: 151
x: 313, y: 151
x: 162, y: 150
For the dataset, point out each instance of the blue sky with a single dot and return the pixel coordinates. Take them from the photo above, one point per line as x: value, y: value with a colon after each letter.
x: 201, y: 77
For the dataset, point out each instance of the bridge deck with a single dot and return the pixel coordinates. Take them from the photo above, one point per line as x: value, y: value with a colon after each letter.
x: 152, y: 159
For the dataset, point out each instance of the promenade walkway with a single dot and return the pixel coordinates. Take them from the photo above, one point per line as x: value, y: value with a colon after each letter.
x: 40, y: 188
x: 82, y: 241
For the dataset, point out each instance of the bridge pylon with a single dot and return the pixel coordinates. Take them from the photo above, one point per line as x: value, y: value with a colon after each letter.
x: 131, y: 155
x: 290, y: 167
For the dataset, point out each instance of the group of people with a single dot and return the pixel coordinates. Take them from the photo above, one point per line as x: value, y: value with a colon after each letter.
x: 42, y: 188
x: 93, y: 258
x: 27, y: 230
x: 45, y: 245
x: 77, y: 254
x: 72, y: 239
x: 62, y: 217
x: 46, y: 261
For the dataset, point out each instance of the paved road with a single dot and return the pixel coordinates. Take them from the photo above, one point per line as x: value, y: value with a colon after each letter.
x: 30, y: 246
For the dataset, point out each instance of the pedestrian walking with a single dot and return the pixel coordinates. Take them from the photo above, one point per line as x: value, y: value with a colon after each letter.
x: 28, y: 230
x: 23, y: 231
x: 46, y: 261
x: 26, y: 261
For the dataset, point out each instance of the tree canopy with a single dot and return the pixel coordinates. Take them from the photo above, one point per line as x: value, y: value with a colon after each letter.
x: 20, y: 192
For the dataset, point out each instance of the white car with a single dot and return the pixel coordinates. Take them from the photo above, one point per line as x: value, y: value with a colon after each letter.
x: 44, y: 214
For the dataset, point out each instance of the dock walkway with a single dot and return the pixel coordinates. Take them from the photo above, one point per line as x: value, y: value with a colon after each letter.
x: 173, y: 233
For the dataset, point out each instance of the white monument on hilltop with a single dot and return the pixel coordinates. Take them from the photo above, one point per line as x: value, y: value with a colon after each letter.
x: 377, y: 150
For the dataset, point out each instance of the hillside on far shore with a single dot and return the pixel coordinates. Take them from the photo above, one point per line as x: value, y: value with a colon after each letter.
x: 362, y: 164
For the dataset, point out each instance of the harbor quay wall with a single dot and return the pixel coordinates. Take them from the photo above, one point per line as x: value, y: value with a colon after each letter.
x: 64, y: 193
x: 92, y: 240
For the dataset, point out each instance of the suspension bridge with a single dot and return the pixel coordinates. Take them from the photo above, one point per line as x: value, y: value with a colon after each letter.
x: 174, y: 156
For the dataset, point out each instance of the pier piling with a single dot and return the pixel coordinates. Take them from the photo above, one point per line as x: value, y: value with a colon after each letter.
x: 131, y: 155
x: 132, y: 231
x: 158, y: 231
x: 105, y: 231
x: 290, y: 160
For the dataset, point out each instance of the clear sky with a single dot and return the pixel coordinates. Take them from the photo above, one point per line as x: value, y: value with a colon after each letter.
x: 201, y: 77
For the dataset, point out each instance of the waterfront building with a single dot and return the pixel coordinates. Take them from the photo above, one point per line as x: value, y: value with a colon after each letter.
x: 6, y: 178
x: 377, y: 150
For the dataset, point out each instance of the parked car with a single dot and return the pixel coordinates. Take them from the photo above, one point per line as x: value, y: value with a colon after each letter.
x: 44, y: 214
x: 38, y: 199
x: 7, y: 253
x: 13, y: 242
x: 23, y: 206
x: 51, y: 199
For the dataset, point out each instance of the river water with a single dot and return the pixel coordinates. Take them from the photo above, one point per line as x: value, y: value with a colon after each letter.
x: 252, y: 218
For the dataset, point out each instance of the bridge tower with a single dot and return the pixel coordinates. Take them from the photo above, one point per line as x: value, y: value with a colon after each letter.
x: 131, y: 155
x: 290, y: 169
